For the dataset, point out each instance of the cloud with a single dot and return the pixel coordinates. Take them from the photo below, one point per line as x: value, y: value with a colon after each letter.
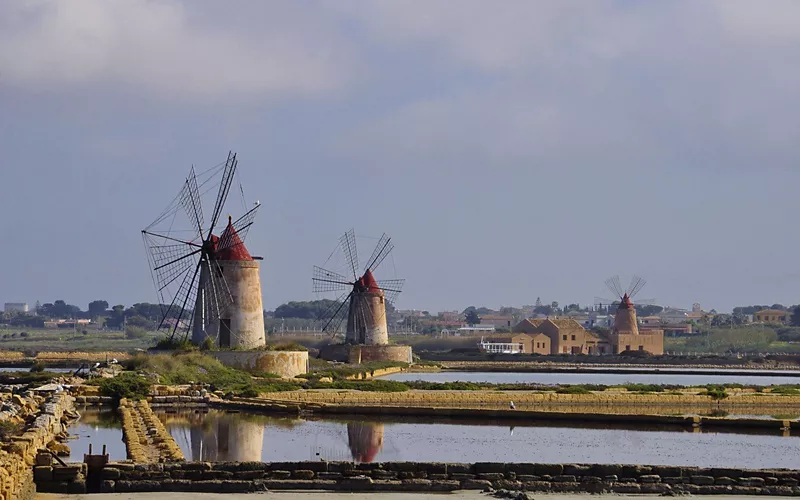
x: 165, y: 48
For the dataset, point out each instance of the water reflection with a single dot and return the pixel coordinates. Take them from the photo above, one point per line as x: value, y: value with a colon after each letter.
x: 98, y: 427
x: 365, y: 440
x: 220, y: 436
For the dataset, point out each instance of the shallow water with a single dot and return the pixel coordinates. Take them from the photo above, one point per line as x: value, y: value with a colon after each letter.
x: 220, y: 436
x: 97, y: 427
x: 592, y: 378
x: 28, y: 369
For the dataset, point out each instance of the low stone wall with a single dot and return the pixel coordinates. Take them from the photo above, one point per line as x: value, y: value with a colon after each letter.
x: 233, y: 477
x: 357, y: 354
x: 146, y: 438
x: 18, y: 458
x: 478, y: 399
x: 12, y: 356
x: 375, y: 373
x: 286, y: 364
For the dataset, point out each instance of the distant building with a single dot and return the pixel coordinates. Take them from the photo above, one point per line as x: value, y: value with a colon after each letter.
x: 771, y: 316
x: 15, y: 307
x: 520, y: 343
x: 497, y: 320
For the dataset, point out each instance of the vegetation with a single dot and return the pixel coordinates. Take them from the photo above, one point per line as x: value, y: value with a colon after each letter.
x: 342, y: 371
x: 572, y: 389
x: 127, y: 385
x: 37, y: 367
x: 9, y: 429
x: 741, y: 339
x: 715, y: 391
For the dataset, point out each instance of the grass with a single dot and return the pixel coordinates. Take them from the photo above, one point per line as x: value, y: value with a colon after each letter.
x: 127, y: 385
x: 342, y: 371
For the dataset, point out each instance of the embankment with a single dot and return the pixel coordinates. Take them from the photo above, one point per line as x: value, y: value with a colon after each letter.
x: 17, y: 458
x: 235, y: 477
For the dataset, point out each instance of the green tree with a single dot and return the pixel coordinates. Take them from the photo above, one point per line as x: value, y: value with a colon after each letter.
x: 471, y: 316
x: 97, y: 308
x: 796, y: 316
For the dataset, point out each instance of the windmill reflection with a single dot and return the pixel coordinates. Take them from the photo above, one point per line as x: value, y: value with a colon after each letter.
x: 228, y: 439
x: 365, y: 440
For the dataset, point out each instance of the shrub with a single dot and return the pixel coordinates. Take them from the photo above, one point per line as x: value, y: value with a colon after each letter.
x: 9, y: 429
x: 715, y: 391
x: 168, y: 344
x: 644, y: 387
x: 37, y: 367
x: 786, y: 390
x: 128, y: 385
x: 572, y: 389
x: 23, y: 334
x: 135, y: 332
x: 208, y: 344
x: 288, y: 346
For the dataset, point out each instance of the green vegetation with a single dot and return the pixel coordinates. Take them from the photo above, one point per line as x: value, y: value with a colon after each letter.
x: 128, y: 385
x: 37, y: 367
x: 572, y: 389
x: 341, y: 371
x: 786, y: 390
x: 9, y: 429
x: 715, y: 391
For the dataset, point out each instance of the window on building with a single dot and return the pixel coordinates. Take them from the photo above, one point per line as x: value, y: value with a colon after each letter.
x: 627, y: 348
x: 564, y: 337
x: 564, y: 349
x: 573, y: 337
x: 641, y: 348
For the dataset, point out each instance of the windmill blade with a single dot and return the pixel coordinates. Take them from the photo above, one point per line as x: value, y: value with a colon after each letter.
x: 168, y: 261
x: 382, y: 249
x: 190, y: 200
x: 186, y: 294
x: 348, y: 244
x: 391, y: 289
x: 224, y: 188
x: 241, y: 227
x: 614, y: 285
x: 335, y: 314
x: 329, y: 281
x: 636, y: 285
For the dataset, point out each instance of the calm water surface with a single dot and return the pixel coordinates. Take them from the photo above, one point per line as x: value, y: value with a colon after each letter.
x: 28, y: 369
x: 219, y: 436
x: 97, y: 427
x: 592, y: 378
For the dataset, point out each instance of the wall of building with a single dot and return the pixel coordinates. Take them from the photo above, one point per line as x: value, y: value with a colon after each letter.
x: 287, y: 364
x: 651, y: 341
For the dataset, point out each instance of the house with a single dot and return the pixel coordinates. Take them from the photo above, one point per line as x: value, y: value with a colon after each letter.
x: 497, y: 320
x: 771, y: 316
x: 566, y: 336
x: 520, y: 343
x: 15, y: 307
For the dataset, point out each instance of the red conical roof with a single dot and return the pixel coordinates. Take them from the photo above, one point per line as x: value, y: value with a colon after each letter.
x: 368, y: 281
x: 234, y: 246
x: 626, y: 302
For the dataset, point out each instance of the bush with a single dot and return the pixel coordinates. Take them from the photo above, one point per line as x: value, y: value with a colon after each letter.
x: 208, y: 344
x: 644, y: 387
x: 9, y: 429
x: 572, y: 389
x: 715, y: 391
x: 168, y: 344
x: 128, y: 385
x: 135, y: 332
x: 37, y: 367
x: 23, y: 334
x: 287, y: 346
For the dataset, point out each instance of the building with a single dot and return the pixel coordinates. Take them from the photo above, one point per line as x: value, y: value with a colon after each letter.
x: 497, y: 320
x: 771, y: 316
x: 520, y: 343
x: 15, y: 307
x: 567, y: 336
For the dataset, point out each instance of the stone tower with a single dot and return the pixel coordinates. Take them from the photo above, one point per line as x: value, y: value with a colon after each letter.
x: 241, y: 323
x: 625, y: 321
x: 366, y: 317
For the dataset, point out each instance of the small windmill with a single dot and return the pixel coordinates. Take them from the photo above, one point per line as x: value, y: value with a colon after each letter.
x: 625, y: 318
x: 364, y: 296
x: 188, y: 260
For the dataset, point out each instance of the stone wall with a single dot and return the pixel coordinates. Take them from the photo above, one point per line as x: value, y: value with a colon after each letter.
x: 18, y: 458
x: 287, y: 364
x: 146, y: 438
x: 357, y: 354
x: 231, y: 477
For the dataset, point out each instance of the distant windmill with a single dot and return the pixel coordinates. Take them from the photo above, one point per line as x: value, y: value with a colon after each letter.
x: 363, y: 303
x: 625, y: 317
x: 208, y: 285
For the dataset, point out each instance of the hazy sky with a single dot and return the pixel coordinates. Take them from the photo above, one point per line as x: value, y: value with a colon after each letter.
x: 512, y: 149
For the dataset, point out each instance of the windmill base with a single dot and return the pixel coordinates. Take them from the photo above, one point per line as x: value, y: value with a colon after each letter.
x: 357, y: 354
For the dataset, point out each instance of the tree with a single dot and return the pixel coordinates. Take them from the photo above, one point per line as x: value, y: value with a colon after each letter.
x: 314, y: 309
x: 554, y: 305
x: 97, y: 308
x: 471, y: 316
x: 538, y: 302
x: 796, y: 316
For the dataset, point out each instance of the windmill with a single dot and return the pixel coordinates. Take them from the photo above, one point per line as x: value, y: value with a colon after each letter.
x: 625, y: 318
x: 364, y: 296
x: 208, y: 285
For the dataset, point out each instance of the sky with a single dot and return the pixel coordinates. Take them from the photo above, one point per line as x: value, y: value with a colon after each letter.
x: 512, y: 150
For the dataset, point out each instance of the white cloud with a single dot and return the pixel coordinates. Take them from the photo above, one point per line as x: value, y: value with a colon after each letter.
x: 157, y: 46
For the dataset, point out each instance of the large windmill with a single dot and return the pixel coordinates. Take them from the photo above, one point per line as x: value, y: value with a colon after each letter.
x: 363, y: 299
x: 625, y: 318
x: 208, y: 284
